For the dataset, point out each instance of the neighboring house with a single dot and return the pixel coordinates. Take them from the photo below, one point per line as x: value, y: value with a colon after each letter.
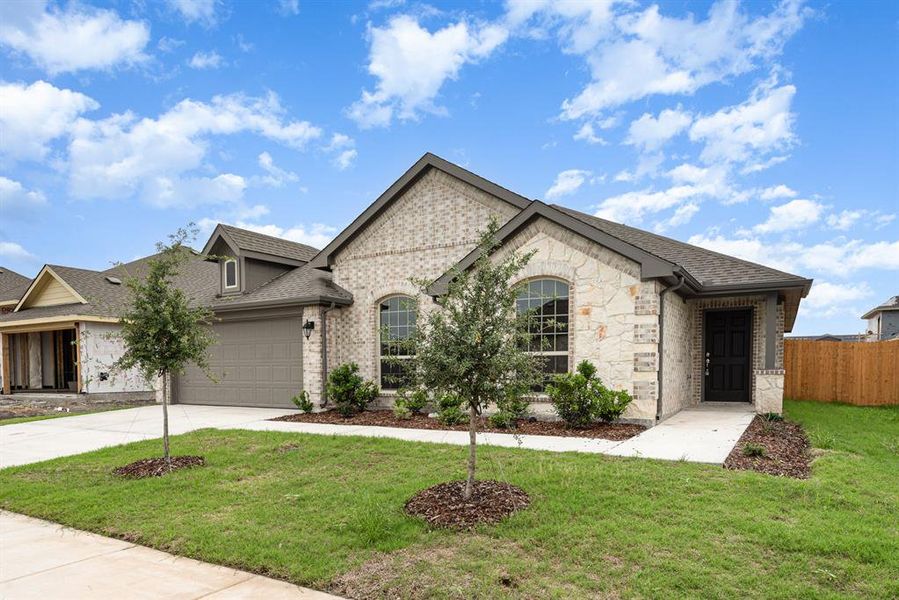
x: 830, y: 337
x: 673, y: 324
x: 883, y: 321
x: 12, y: 286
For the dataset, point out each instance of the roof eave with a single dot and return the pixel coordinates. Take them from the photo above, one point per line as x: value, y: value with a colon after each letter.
x: 298, y: 301
x: 879, y: 309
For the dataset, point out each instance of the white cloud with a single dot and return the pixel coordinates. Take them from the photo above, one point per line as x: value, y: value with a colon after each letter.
x: 412, y: 64
x: 580, y: 25
x: 651, y: 133
x: 289, y: 7
x: 196, y: 11
x: 760, y: 125
x: 762, y: 166
x: 14, y: 250
x: 170, y: 191
x: 631, y: 207
x: 167, y: 44
x: 206, y: 60
x: 845, y: 219
x: 587, y: 134
x: 344, y: 149
x: 795, y: 214
x: 16, y: 201
x: 682, y: 215
x: 646, y: 53
x: 837, y: 258
x: 34, y: 115
x: 275, y: 176
x: 71, y: 39
x: 317, y: 235
x: 777, y: 192
x: 828, y: 299
x: 567, y: 182
x: 121, y: 155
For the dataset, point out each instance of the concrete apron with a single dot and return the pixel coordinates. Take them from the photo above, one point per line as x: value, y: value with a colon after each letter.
x: 44, y: 560
x: 703, y: 434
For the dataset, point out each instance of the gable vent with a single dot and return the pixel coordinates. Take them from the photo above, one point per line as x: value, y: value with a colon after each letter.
x: 113, y: 280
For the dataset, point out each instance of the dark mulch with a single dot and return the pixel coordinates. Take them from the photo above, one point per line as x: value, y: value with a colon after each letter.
x: 786, y: 449
x: 443, y: 505
x: 386, y: 418
x: 156, y: 467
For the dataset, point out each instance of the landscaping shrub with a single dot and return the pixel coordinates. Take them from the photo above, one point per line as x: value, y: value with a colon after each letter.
x: 303, y: 402
x: 580, y: 398
x: 409, y: 401
x: 773, y: 417
x: 754, y: 450
x: 351, y: 394
x: 509, y: 410
x: 449, y: 410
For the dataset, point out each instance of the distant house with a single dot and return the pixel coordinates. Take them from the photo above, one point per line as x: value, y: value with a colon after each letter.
x: 830, y: 337
x: 883, y: 321
x: 12, y: 286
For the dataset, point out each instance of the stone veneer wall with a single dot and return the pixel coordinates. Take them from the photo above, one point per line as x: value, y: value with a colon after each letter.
x: 422, y: 234
x: 758, y: 304
x: 677, y: 368
x: 614, y: 316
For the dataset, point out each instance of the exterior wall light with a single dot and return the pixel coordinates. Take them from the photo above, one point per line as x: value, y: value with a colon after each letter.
x: 308, y: 326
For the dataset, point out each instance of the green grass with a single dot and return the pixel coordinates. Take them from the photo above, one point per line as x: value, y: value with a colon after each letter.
x: 59, y: 415
x: 313, y: 509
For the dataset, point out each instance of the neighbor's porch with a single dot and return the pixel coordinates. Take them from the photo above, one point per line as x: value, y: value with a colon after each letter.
x: 41, y: 359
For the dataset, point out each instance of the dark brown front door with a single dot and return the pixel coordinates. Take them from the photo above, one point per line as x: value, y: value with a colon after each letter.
x: 727, y: 355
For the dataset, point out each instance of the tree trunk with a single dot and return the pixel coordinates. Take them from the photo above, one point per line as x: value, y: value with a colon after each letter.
x: 472, y: 449
x: 165, y: 420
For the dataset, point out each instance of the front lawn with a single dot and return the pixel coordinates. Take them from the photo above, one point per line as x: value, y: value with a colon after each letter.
x: 327, y: 512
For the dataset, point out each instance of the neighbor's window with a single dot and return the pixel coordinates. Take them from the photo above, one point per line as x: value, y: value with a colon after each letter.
x: 546, y: 303
x: 231, y: 273
x: 397, y: 325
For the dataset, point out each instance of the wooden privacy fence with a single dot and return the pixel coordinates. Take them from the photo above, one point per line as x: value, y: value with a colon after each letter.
x: 861, y: 373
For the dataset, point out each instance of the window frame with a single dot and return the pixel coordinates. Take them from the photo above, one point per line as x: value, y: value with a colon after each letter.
x: 391, y: 387
x: 236, y: 283
x: 524, y: 286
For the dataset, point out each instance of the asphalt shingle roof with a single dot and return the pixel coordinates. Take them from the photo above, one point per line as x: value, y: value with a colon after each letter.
x: 706, y: 266
x: 12, y: 285
x: 266, y: 244
x: 303, y: 282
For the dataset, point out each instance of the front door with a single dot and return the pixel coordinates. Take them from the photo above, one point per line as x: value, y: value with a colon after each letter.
x: 727, y: 355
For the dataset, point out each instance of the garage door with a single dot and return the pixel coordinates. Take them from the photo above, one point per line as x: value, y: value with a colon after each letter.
x: 256, y: 363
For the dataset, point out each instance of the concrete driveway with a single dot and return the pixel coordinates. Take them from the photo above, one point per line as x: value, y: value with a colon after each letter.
x: 25, y: 443
x: 43, y: 560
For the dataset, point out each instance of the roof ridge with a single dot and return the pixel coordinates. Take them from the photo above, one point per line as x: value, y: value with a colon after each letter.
x: 578, y: 214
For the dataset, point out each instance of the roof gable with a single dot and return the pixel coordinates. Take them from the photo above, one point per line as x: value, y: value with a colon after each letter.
x: 251, y: 244
x: 324, y: 259
x: 49, y: 289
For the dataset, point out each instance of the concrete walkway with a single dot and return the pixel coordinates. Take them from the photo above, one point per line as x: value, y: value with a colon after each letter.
x: 44, y: 560
x: 702, y: 434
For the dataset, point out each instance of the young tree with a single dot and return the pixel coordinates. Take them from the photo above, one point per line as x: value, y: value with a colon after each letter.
x: 473, y: 346
x: 162, y: 332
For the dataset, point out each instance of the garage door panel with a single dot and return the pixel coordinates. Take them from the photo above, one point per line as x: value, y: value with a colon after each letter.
x: 257, y: 363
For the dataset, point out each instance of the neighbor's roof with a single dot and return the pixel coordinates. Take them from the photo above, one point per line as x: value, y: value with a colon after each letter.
x: 198, y: 278
x: 12, y: 285
x: 709, y: 268
x: 251, y: 241
x: 891, y: 304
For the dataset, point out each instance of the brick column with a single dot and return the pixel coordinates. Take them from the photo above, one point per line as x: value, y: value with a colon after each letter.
x: 312, y: 355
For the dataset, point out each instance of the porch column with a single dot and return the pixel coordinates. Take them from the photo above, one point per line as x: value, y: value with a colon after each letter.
x: 5, y: 362
x: 35, y: 368
x: 771, y: 331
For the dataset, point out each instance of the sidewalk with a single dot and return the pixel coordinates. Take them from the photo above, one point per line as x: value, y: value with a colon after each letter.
x: 46, y: 561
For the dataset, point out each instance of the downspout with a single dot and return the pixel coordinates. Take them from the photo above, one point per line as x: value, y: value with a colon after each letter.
x: 324, y: 320
x: 660, y: 382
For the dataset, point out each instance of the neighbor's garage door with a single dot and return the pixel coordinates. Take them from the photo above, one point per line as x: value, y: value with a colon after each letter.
x: 256, y: 363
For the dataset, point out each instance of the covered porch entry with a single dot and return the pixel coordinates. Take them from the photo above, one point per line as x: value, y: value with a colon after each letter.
x: 41, y: 361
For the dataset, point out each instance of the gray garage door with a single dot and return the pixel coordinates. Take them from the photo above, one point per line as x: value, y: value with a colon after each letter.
x: 256, y: 363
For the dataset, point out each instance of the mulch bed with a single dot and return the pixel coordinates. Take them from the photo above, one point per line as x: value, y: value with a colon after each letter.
x: 443, y: 505
x: 786, y: 449
x: 156, y: 467
x: 386, y: 418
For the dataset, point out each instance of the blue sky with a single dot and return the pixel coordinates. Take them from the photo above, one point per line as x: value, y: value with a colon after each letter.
x: 768, y: 130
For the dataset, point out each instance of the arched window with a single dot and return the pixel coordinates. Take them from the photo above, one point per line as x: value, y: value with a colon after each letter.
x: 396, y: 324
x: 546, y: 302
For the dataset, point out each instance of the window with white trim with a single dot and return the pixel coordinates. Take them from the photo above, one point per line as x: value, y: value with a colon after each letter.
x: 546, y: 303
x: 396, y: 317
x: 230, y: 274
